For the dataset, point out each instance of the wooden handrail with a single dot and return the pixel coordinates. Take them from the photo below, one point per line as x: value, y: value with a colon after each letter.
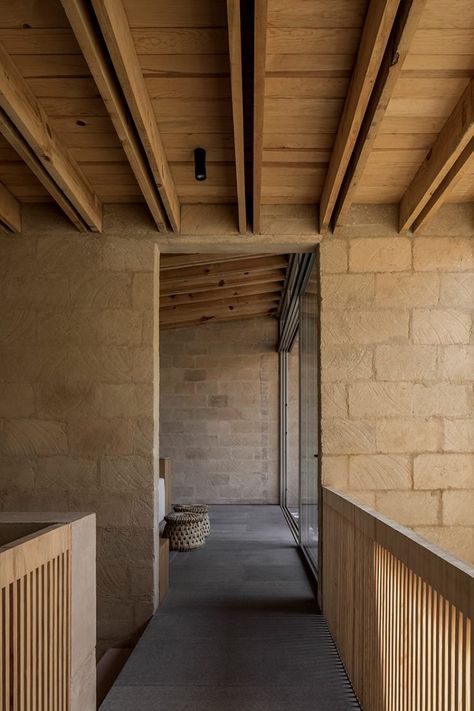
x: 400, y: 611
x: 35, y: 621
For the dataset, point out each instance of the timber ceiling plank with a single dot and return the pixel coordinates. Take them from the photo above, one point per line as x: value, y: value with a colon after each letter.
x: 396, y: 52
x: 260, y: 53
x: 377, y: 28
x: 24, y: 121
x: 81, y: 21
x: 452, y: 147
x: 116, y: 30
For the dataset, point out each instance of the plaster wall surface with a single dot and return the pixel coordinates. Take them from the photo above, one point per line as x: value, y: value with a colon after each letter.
x: 76, y: 399
x: 398, y: 374
x: 219, y: 411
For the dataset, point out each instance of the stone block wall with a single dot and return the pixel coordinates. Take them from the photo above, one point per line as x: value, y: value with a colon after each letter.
x: 76, y: 399
x: 219, y: 411
x: 398, y: 375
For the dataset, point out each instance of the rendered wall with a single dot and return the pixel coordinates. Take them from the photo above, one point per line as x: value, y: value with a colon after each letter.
x: 398, y: 374
x: 219, y: 411
x: 76, y: 404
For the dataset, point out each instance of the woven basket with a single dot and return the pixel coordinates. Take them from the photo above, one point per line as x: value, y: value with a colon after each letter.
x: 198, y: 509
x: 185, y: 530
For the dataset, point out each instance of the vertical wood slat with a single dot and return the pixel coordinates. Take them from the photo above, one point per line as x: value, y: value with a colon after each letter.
x: 35, y: 589
x: 408, y: 611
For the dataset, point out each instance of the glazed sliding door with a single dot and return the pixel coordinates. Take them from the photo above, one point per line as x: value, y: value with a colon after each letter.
x: 309, y: 417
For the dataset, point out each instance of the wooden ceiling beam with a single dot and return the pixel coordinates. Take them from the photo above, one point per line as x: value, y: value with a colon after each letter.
x: 176, y: 261
x: 184, y: 286
x: 26, y: 126
x: 403, y: 31
x: 235, y: 56
x: 79, y: 16
x: 375, y: 34
x: 443, y: 165
x: 212, y: 310
x: 10, y: 211
x: 191, y: 297
x: 220, y: 319
x: 260, y: 52
x: 243, y: 265
x: 113, y: 22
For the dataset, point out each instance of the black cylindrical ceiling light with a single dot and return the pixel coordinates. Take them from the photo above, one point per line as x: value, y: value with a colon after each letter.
x: 200, y: 163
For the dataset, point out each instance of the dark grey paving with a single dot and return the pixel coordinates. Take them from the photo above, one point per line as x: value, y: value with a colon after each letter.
x: 239, y: 630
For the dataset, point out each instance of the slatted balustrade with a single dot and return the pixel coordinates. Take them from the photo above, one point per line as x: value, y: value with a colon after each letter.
x: 35, y: 622
x: 400, y: 611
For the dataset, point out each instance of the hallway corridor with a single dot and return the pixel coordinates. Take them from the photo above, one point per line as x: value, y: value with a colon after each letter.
x: 238, y: 631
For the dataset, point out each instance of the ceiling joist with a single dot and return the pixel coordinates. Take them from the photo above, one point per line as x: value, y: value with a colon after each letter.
x: 27, y: 128
x: 10, y: 211
x: 377, y: 28
x: 235, y: 56
x: 443, y: 166
x: 78, y: 13
x: 113, y: 22
x: 403, y: 31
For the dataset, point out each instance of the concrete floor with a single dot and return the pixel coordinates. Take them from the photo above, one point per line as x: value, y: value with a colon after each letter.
x: 239, y: 630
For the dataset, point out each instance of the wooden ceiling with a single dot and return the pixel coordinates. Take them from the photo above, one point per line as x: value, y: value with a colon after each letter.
x: 196, y: 289
x: 297, y: 102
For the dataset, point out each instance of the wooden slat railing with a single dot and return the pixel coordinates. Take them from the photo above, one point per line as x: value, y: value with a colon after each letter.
x: 400, y: 611
x: 35, y: 622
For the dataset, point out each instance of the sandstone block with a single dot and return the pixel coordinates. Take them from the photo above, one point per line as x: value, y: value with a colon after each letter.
x: 405, y: 290
x: 126, y: 400
x: 335, y: 472
x: 380, y: 254
x: 62, y: 400
x: 408, y: 434
x: 67, y: 473
x: 333, y: 256
x: 400, y: 363
x: 121, y: 327
x: 379, y: 471
x: 36, y: 291
x: 127, y: 473
x: 16, y: 400
x: 459, y: 435
x: 143, y: 296
x: 348, y: 290
x: 443, y: 399
x: 57, y: 255
x: 443, y: 254
x: 101, y: 290
x: 444, y: 471
x: 17, y: 473
x: 343, y: 436
x: 97, y: 437
x: 346, y: 363
x: 33, y: 437
x: 334, y: 400
x: 457, y: 363
x: 17, y: 327
x: 100, y: 364
x: 410, y: 508
x: 380, y: 399
x: 440, y: 327
x: 129, y: 255
x: 143, y: 365
x: 458, y: 508
x: 457, y: 290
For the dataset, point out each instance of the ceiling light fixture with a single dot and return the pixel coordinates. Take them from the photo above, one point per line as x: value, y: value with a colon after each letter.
x: 200, y: 163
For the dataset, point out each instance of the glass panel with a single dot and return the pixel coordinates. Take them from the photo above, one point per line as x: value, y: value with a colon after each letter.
x: 309, y: 416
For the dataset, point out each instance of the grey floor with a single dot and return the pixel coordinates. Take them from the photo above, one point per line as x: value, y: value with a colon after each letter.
x: 238, y: 631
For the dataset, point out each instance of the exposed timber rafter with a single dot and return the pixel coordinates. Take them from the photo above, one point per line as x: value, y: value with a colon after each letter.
x: 235, y: 56
x: 260, y: 51
x: 10, y: 211
x: 404, y: 28
x: 377, y: 28
x: 26, y: 126
x: 443, y: 167
x: 114, y: 25
x: 79, y: 15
